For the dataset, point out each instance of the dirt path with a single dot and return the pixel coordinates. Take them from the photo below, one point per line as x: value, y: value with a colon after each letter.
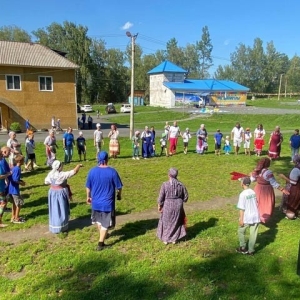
x: 41, y: 231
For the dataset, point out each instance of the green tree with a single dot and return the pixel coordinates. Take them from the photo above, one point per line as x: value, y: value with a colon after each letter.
x: 14, y: 34
x: 73, y: 40
x: 174, y: 53
x: 204, y: 48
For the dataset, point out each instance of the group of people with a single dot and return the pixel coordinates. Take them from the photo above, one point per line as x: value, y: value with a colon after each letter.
x: 104, y: 185
x: 257, y: 206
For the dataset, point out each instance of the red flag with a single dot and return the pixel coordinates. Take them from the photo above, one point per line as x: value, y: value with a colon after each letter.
x: 237, y: 175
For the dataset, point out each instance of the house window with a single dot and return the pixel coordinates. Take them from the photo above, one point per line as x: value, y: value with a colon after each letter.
x: 13, y: 82
x: 46, y: 83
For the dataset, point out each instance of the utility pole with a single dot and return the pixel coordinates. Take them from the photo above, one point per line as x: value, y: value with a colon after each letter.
x: 133, y: 38
x: 279, y: 90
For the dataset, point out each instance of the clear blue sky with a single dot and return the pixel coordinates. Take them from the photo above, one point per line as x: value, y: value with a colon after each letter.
x: 229, y: 22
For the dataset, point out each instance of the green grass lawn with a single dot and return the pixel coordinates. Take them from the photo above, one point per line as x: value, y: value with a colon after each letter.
x: 138, y: 265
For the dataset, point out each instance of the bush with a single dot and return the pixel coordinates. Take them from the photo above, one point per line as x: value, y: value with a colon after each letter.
x: 15, y: 126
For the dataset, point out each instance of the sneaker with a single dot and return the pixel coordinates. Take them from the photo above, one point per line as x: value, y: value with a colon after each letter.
x: 138, y: 158
x: 18, y: 221
x: 3, y: 225
x: 241, y: 250
x: 249, y: 253
x: 35, y: 166
x: 133, y: 157
x: 100, y: 248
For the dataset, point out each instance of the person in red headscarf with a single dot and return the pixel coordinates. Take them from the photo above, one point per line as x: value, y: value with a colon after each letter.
x: 264, y: 188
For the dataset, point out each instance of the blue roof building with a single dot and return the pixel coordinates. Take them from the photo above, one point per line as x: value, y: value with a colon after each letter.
x: 169, y: 87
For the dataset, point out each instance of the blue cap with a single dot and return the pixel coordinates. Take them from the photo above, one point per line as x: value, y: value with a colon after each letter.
x: 102, y: 157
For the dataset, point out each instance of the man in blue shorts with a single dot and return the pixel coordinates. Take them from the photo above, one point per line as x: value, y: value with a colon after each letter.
x: 101, y: 186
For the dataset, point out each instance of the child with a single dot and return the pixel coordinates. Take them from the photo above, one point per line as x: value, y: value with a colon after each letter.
x: 30, y: 147
x: 98, y: 139
x: 259, y: 143
x: 186, y: 137
x: 248, y: 217
x: 81, y: 146
x: 14, y: 190
x: 218, y: 141
x: 163, y: 144
x: 247, y: 139
x: 227, y: 147
x: 136, y: 145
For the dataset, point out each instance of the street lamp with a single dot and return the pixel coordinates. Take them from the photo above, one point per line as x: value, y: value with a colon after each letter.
x: 133, y: 38
x: 279, y: 90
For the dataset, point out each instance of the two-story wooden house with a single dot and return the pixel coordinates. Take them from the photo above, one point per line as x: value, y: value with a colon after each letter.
x: 36, y: 83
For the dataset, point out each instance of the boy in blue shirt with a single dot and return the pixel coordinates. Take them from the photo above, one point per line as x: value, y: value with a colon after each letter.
x: 218, y: 141
x: 81, y: 146
x: 14, y: 190
x: 295, y: 144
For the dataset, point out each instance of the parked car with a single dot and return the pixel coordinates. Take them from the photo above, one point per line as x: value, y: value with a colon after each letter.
x: 110, y: 109
x: 125, y: 108
x: 86, y: 108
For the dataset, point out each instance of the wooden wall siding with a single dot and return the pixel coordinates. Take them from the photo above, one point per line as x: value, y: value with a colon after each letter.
x: 39, y: 106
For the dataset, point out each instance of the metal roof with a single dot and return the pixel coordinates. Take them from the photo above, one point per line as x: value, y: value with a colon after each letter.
x: 167, y: 67
x: 205, y: 85
x: 32, y: 55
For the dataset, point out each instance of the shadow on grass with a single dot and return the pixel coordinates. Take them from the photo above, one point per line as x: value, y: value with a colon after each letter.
x: 267, y: 237
x: 134, y: 229
x: 95, y: 277
x: 194, y: 230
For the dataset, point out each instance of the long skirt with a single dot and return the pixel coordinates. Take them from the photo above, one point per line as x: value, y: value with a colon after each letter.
x: 114, y: 147
x: 291, y: 202
x: 265, y: 201
x: 171, y: 225
x: 58, y: 210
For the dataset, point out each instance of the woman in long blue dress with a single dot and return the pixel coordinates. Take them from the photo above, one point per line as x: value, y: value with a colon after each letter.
x: 58, y: 197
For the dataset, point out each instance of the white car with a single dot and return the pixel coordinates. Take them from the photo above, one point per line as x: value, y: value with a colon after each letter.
x: 86, y: 108
x: 125, y: 108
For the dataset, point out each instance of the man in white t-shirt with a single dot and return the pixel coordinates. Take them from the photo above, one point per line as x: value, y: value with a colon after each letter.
x: 237, y: 135
x: 98, y: 139
x: 173, y: 134
x: 248, y: 217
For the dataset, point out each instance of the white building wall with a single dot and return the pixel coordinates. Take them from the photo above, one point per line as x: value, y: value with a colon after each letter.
x: 159, y: 94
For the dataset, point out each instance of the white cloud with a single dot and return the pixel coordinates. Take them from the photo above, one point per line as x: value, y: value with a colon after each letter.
x: 126, y: 26
x: 228, y: 41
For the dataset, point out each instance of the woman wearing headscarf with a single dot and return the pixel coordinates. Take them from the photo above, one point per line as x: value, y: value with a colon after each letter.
x: 58, y: 197
x: 15, y: 148
x: 114, y: 146
x: 51, y: 146
x: 275, y: 142
x: 201, y: 139
x: 170, y: 201
x: 264, y: 188
x: 291, y: 203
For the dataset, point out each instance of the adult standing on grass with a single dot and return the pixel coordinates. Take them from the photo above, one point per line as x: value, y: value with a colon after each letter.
x: 237, y: 135
x: 174, y: 133
x: 248, y: 217
x: 291, y: 203
x: 51, y: 146
x: 259, y: 130
x: 15, y: 148
x: 90, y: 122
x: 275, y: 142
x: 172, y: 195
x: 146, y: 138
x: 103, y: 182
x: 58, y: 197
x: 114, y: 146
x: 98, y: 139
x: 68, y: 143
x: 264, y: 188
x: 295, y: 144
x: 201, y: 134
